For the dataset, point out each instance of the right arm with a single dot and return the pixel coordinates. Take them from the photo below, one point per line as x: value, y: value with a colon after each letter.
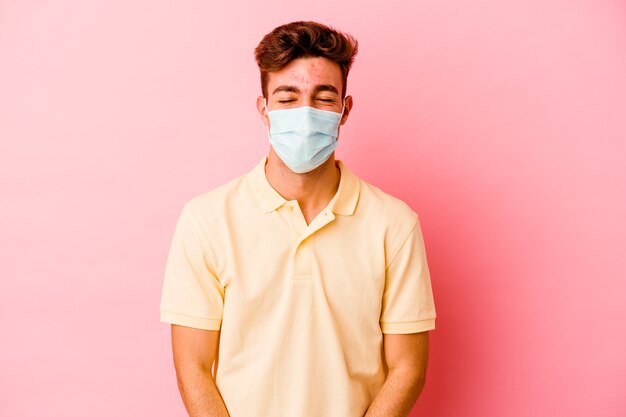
x: 194, y: 353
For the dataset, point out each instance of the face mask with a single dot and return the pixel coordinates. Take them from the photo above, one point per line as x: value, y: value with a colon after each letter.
x: 303, y: 137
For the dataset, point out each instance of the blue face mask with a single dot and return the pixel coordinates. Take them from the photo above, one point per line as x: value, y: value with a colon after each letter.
x: 303, y: 137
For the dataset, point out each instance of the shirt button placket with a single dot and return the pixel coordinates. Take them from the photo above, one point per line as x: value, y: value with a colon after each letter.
x: 301, y: 256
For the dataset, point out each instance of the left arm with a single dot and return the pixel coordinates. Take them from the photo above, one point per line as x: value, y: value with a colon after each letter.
x: 406, y: 356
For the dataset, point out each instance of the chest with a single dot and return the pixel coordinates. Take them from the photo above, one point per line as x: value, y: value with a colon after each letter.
x: 271, y: 264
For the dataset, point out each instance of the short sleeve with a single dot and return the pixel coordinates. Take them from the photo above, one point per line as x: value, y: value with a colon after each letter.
x: 192, y: 295
x: 408, y: 304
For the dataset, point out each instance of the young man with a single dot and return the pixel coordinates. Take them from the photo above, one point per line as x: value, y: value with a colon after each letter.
x: 303, y: 287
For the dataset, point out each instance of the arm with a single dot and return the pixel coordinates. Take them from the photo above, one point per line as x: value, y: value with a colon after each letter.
x: 406, y: 356
x: 194, y: 353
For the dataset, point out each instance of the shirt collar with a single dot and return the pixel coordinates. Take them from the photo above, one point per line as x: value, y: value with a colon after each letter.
x: 344, y: 202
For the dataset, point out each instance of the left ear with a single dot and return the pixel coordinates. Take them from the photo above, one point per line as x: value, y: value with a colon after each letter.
x: 348, y: 103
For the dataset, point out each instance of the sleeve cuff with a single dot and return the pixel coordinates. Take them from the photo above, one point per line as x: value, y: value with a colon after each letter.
x: 408, y: 326
x: 190, y: 321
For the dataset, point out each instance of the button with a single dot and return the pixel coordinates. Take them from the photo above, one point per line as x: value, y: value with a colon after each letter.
x: 290, y: 207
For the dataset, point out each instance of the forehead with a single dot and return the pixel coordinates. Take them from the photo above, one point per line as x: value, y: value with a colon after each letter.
x: 306, y: 73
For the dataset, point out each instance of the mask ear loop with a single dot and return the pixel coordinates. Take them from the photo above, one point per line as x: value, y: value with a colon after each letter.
x: 343, y: 108
x: 268, y: 116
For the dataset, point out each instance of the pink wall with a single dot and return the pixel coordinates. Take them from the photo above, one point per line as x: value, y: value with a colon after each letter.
x: 503, y: 124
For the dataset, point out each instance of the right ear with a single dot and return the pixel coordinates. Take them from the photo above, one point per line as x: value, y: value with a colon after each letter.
x: 260, y: 106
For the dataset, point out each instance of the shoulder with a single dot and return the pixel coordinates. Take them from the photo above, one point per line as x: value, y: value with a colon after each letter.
x: 215, y: 202
x: 387, y: 216
x: 385, y: 206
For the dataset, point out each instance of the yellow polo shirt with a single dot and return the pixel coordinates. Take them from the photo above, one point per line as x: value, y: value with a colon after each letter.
x: 301, y: 308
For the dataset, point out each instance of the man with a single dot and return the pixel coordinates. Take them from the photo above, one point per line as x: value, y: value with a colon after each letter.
x: 298, y: 289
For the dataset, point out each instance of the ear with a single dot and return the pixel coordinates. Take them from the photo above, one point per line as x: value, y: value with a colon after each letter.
x: 262, y: 112
x: 348, y: 103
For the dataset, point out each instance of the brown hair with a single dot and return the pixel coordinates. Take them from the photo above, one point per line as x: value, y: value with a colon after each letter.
x: 304, y: 39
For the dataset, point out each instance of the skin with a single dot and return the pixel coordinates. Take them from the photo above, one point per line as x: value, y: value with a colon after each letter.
x: 194, y: 353
x: 406, y: 355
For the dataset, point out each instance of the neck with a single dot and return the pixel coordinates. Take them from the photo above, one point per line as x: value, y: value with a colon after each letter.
x: 313, y: 190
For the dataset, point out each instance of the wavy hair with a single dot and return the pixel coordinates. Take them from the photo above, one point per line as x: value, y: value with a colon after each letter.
x: 304, y: 39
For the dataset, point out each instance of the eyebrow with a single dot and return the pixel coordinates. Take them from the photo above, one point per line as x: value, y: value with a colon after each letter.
x: 286, y: 88
x: 294, y: 89
x: 325, y: 87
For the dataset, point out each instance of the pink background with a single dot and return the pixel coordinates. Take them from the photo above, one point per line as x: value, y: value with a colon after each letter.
x: 503, y: 124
